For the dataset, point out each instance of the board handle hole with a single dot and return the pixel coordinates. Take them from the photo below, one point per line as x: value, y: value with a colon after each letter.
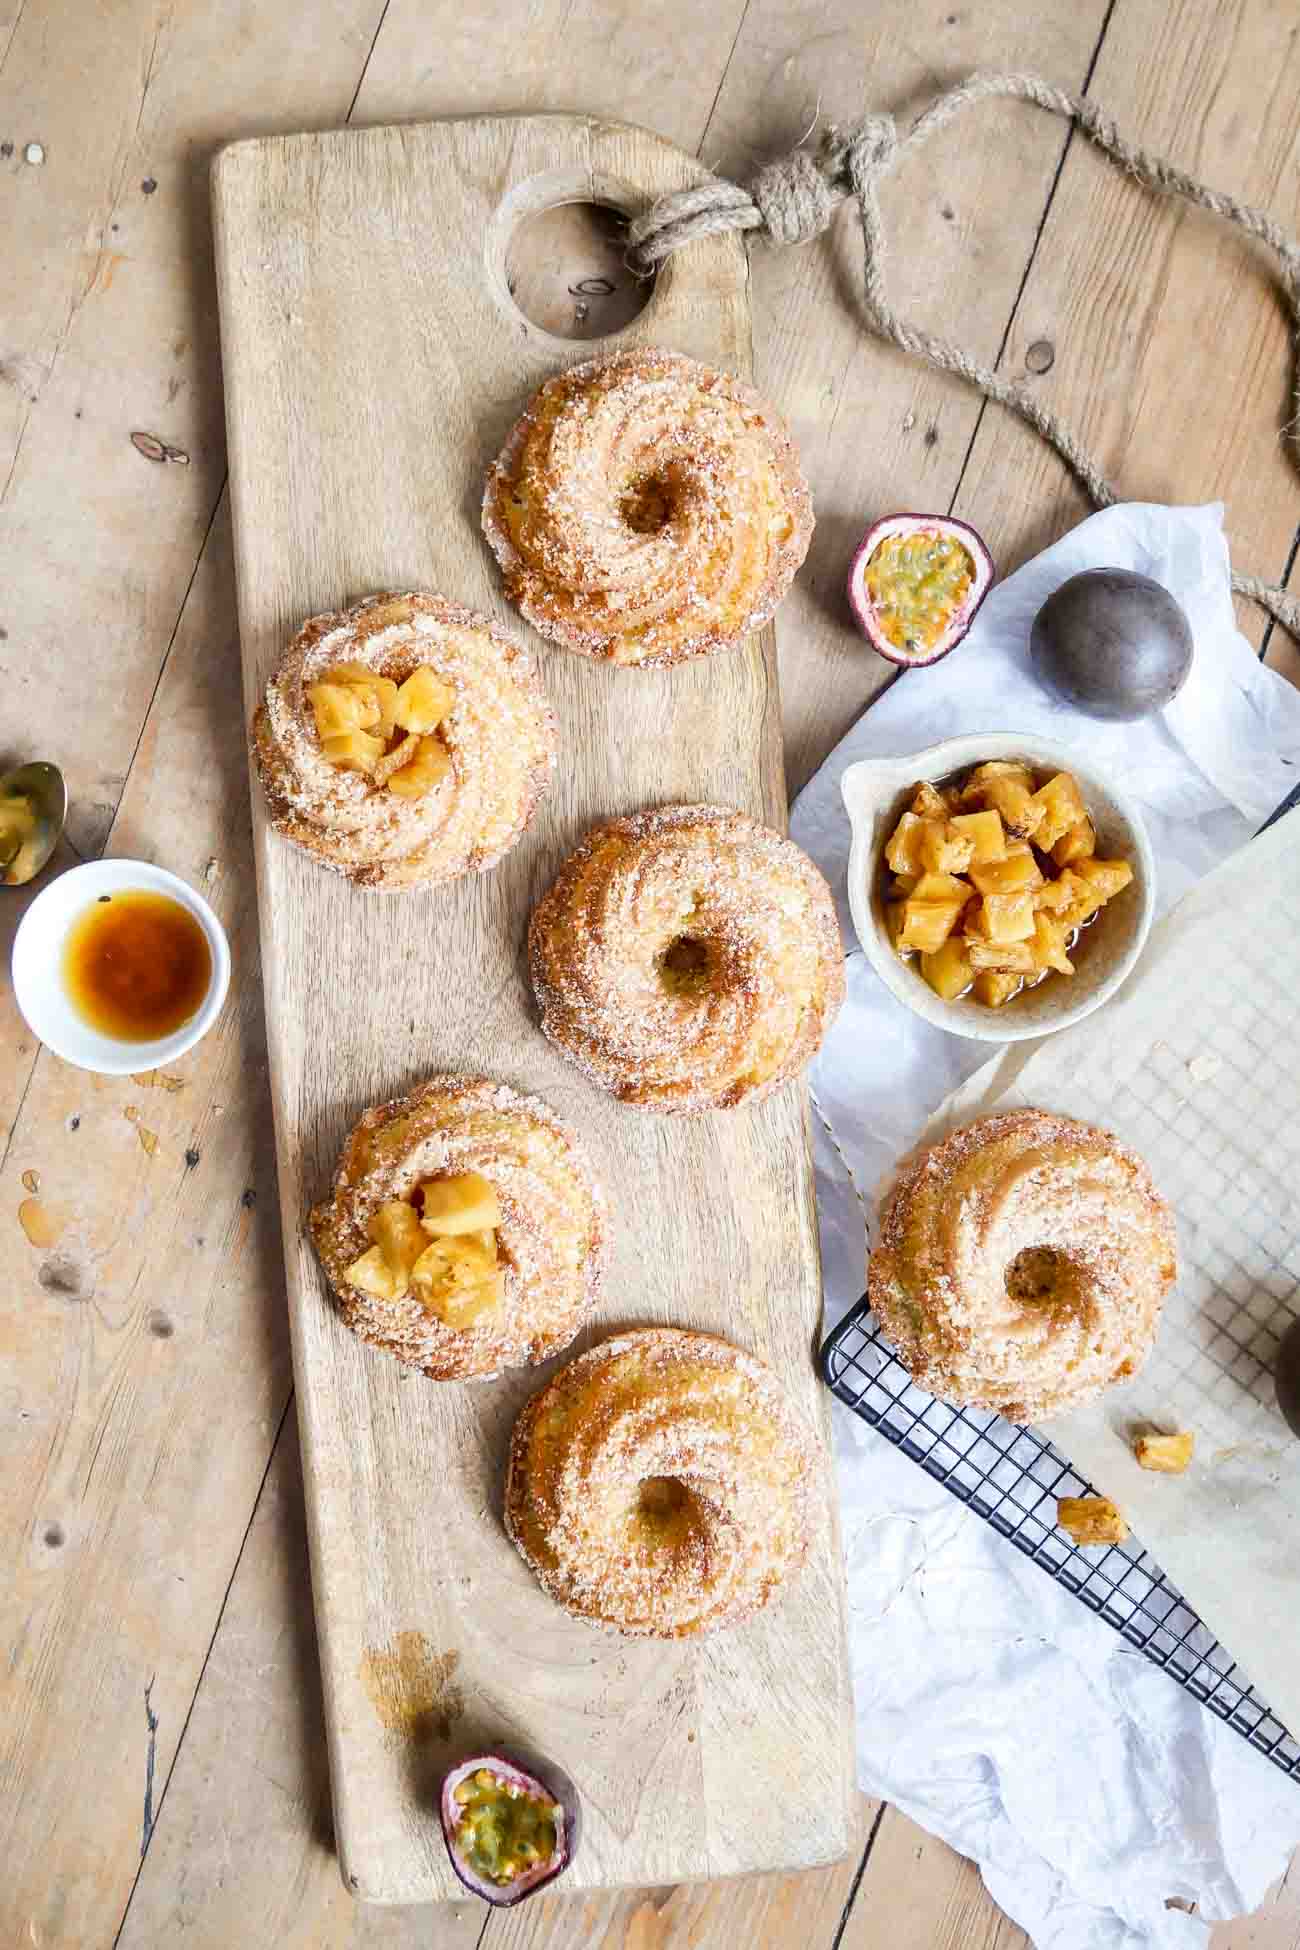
x: 561, y: 261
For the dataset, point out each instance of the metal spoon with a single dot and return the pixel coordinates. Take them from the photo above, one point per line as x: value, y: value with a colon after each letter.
x: 33, y: 809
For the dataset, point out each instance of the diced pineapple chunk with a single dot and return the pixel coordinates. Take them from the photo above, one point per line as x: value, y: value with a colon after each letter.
x: 1105, y: 878
x: 1016, y: 871
x: 396, y: 1230
x: 335, y: 707
x: 468, y: 1306
x: 370, y: 700
x: 1062, y: 807
x: 401, y: 755
x: 353, y: 751
x: 1076, y: 843
x: 994, y: 986
x: 1007, y: 917
x: 428, y: 768
x: 372, y: 1274
x: 948, y: 970
x: 941, y: 887
x: 1091, y: 1519
x: 459, y: 1279
x: 1007, y: 789
x: 423, y: 701
x: 386, y: 696
x: 1054, y: 895
x: 903, y: 854
x: 943, y: 850
x: 928, y: 923
x: 466, y: 1203
x: 1013, y: 769
x: 1081, y: 901
x: 902, y: 885
x: 894, y: 918
x: 1048, y: 945
x: 1169, y: 1454
x: 1019, y: 812
x: 929, y: 803
x: 984, y: 830
x: 456, y: 1261
x: 1012, y: 956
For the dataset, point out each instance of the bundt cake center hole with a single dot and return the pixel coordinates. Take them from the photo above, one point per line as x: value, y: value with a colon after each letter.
x: 647, y: 505
x: 685, y: 965
x: 662, y: 1498
x: 1036, y: 1277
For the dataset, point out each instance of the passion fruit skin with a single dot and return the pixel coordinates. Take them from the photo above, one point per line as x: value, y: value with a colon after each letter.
x: 1112, y: 643
x: 1286, y: 1377
x: 556, y: 1788
x: 860, y: 602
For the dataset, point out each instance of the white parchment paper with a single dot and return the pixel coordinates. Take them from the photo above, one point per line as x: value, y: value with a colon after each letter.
x: 991, y: 1705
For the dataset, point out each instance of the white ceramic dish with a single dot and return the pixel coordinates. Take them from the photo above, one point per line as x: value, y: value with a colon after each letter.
x: 38, y: 968
x: 876, y: 791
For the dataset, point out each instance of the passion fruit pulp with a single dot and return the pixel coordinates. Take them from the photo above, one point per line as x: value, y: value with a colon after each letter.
x: 915, y: 585
x: 507, y: 1832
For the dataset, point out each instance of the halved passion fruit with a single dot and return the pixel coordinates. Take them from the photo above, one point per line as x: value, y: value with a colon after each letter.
x: 506, y: 1832
x: 915, y: 585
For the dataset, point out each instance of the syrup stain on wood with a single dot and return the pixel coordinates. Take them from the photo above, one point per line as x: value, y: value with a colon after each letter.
x: 412, y: 1687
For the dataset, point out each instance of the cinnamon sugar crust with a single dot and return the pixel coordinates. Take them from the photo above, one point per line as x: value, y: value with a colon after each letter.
x: 500, y: 734
x: 553, y: 1236
x: 662, y: 1484
x: 647, y: 508
x: 687, y: 958
x: 1023, y: 1263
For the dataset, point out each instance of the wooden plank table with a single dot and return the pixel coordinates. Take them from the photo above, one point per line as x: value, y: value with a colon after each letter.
x: 160, y: 1723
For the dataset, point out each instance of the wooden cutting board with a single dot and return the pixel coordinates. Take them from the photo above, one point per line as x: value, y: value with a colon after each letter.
x: 374, y: 361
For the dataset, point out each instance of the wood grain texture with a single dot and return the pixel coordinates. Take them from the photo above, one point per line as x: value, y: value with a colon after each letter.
x: 920, y: 1891
x: 144, y: 1364
x: 243, y: 1856
x: 373, y: 363
x: 879, y: 431
x: 1170, y: 348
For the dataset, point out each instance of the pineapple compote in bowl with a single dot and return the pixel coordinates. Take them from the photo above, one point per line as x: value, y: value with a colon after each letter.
x: 1101, y: 946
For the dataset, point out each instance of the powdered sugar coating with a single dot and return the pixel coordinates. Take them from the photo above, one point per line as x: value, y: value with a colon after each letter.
x: 959, y: 1216
x: 553, y: 1236
x: 732, y: 514
x: 662, y: 1406
x: 759, y: 910
x: 500, y: 734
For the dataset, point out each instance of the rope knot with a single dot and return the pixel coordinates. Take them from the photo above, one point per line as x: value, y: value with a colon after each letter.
x: 794, y: 198
x: 870, y: 147
x: 797, y: 196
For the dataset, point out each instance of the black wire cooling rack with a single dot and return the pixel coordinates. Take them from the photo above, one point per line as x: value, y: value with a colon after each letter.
x: 1012, y: 1477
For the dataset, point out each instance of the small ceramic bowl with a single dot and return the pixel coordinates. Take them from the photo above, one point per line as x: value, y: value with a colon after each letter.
x: 877, y: 790
x: 38, y: 968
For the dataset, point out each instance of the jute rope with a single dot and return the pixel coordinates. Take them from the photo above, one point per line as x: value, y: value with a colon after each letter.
x: 795, y: 199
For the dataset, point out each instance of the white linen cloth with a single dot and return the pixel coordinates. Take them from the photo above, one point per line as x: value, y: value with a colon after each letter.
x: 992, y: 1707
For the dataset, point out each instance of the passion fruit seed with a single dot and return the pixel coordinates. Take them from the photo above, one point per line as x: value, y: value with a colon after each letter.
x: 915, y: 583
x: 1112, y: 643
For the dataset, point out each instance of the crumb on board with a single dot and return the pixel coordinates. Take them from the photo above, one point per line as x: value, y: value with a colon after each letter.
x: 1169, y: 1454
x: 1091, y: 1519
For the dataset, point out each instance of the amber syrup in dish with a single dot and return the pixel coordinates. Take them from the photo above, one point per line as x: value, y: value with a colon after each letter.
x: 136, y: 965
